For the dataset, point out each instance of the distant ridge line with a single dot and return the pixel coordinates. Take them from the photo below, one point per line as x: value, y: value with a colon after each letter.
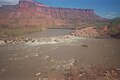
x: 33, y: 13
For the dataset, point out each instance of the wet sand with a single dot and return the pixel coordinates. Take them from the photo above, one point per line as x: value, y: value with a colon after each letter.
x: 52, y: 61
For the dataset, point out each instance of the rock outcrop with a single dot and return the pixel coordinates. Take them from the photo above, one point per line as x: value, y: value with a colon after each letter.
x: 117, y: 35
x: 90, y: 32
x: 28, y: 12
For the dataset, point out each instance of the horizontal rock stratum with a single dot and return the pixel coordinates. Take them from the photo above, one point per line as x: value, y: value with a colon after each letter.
x: 28, y: 12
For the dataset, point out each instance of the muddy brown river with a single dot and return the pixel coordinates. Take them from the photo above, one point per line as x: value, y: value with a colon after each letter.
x: 53, y: 61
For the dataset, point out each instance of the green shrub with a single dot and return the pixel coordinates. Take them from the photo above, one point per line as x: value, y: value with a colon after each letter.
x: 114, y: 25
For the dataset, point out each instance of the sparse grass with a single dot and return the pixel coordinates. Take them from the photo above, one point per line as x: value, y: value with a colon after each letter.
x: 17, y: 32
x: 114, y: 25
x: 100, y: 24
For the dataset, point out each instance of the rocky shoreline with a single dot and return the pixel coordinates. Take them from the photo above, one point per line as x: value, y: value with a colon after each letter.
x: 42, y: 41
x: 48, y: 40
x: 14, y: 41
x: 90, y: 32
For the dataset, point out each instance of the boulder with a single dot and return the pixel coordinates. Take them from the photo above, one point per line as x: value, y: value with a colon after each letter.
x: 2, y: 42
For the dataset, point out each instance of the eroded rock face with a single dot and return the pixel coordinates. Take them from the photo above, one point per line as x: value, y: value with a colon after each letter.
x: 40, y: 14
x: 90, y: 32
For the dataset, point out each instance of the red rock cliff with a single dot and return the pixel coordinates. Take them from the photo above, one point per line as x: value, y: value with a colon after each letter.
x: 27, y: 9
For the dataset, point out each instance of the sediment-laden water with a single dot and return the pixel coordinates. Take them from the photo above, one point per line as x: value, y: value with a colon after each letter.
x: 53, y: 61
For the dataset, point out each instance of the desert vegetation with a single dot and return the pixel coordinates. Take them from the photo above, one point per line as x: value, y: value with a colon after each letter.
x: 8, y: 32
x: 114, y: 25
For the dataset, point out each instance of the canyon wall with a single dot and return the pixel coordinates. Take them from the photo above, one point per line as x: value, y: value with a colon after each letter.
x: 28, y: 12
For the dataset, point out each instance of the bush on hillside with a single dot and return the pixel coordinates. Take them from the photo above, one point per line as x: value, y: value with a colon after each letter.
x: 114, y: 25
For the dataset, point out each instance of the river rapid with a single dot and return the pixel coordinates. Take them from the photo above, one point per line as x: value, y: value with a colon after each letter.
x: 52, y: 61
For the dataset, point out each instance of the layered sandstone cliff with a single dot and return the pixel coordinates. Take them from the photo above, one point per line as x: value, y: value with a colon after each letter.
x: 28, y: 12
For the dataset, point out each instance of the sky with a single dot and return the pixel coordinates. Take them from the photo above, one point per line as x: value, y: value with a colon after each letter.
x: 104, y: 8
